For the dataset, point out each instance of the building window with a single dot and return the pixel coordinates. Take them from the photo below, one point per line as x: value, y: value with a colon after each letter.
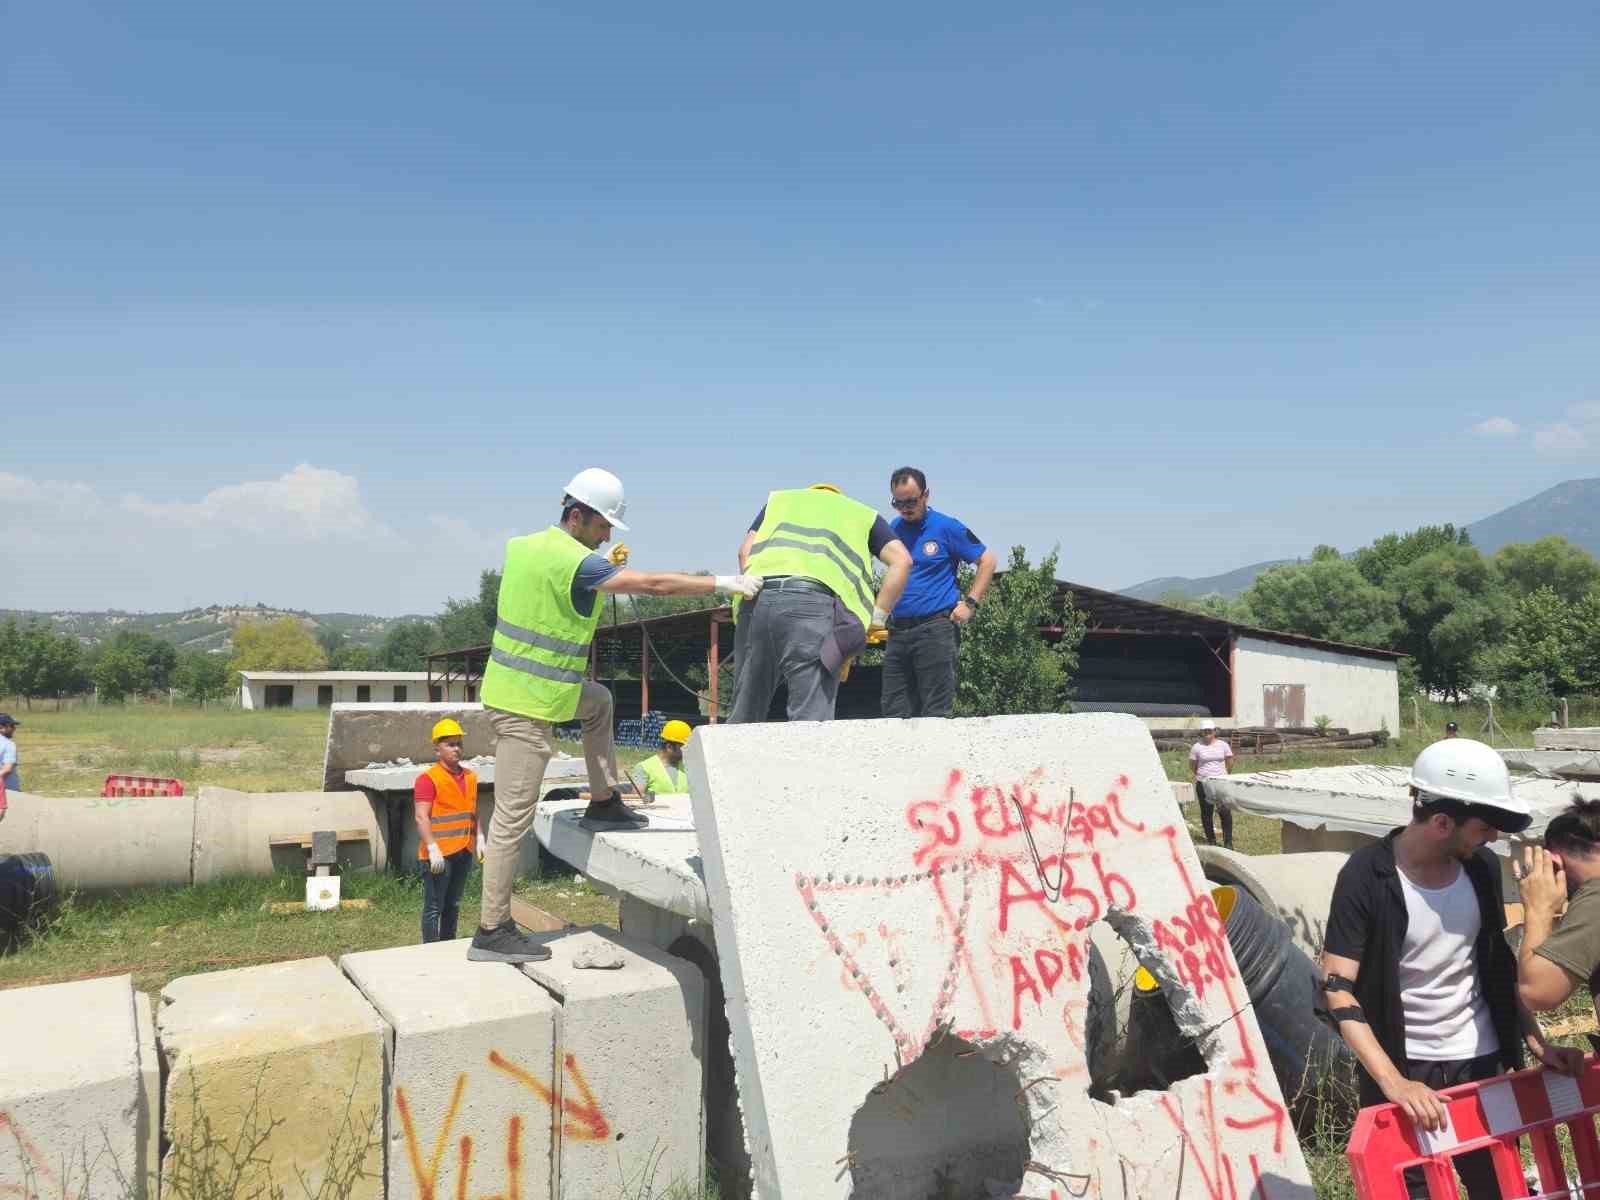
x: 363, y: 693
x: 280, y: 695
x: 472, y: 693
x: 399, y: 693
x: 435, y: 693
x: 324, y: 695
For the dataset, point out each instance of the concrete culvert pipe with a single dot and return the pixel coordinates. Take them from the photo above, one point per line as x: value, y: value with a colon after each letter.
x: 1292, y: 888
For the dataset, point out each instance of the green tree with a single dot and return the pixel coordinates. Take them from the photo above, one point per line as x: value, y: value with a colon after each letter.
x: 1392, y: 551
x: 1586, y: 641
x: 1212, y: 604
x: 1005, y: 666
x: 1551, y: 562
x: 1327, y: 597
x: 353, y: 658
x: 202, y: 677
x: 283, y: 644
x: 332, y: 642
x: 1539, y: 657
x: 1452, y: 607
x: 408, y: 644
x: 120, y: 673
x: 160, y: 658
x: 10, y: 658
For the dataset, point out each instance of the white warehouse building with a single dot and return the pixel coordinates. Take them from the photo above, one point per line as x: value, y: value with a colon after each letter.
x: 319, y: 689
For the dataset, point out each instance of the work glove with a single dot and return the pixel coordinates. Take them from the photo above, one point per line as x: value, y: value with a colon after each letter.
x: 744, y: 585
x: 435, y: 859
x: 619, y: 554
x: 480, y: 847
x: 877, y: 636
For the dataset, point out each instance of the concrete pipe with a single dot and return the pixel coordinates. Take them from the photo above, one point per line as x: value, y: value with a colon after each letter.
x: 1292, y: 888
x: 102, y: 843
x: 233, y: 831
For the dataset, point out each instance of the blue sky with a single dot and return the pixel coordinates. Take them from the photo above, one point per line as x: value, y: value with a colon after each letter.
x: 313, y: 305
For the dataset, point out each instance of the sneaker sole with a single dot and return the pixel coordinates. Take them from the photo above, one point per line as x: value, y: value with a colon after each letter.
x: 474, y: 954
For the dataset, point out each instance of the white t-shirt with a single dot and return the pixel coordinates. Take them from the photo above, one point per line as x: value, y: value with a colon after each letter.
x: 1210, y: 762
x: 1446, y: 1015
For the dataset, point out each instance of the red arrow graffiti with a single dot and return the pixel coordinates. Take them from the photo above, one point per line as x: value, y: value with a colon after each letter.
x: 586, y: 1122
x: 1275, y: 1114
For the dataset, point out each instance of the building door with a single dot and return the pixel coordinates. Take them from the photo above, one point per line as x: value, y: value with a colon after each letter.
x: 399, y: 693
x: 1283, y: 704
x: 324, y: 695
x: 363, y: 693
x: 279, y: 695
x: 435, y: 693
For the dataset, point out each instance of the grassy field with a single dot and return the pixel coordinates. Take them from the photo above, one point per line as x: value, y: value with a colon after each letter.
x: 159, y: 934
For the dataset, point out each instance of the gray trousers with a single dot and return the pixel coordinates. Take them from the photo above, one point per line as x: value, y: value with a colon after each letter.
x: 779, y: 639
x: 523, y: 749
x: 919, y: 669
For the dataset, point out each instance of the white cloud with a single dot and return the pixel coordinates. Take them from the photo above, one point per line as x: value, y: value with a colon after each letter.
x: 1497, y: 427
x: 1561, y: 440
x: 306, y: 539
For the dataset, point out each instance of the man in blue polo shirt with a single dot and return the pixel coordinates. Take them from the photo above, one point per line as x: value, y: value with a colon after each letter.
x: 919, y: 663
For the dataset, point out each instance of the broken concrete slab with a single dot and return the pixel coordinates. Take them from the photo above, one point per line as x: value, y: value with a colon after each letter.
x: 880, y: 888
x: 472, y: 1069
x: 658, y: 865
x: 631, y: 1047
x: 287, y: 1057
x: 359, y: 734
x: 233, y: 831
x: 564, y: 771
x: 73, y: 1104
x: 149, y: 1125
x: 1582, y: 738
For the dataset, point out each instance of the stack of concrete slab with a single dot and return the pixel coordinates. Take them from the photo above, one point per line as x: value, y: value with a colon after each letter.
x: 80, y: 1092
x: 1582, y: 738
x: 359, y: 734
x: 904, y: 915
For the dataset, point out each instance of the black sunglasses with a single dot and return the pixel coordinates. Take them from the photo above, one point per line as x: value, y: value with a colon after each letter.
x: 907, y: 505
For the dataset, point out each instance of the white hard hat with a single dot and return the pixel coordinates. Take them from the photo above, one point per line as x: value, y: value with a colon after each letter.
x: 601, y: 491
x: 1469, y: 772
x: 1205, y: 725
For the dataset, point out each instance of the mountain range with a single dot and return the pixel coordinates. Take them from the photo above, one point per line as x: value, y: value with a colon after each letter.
x: 206, y: 628
x: 1570, y: 510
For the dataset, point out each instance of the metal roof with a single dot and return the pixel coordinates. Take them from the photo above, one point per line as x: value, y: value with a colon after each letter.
x: 335, y: 676
x: 1112, y: 612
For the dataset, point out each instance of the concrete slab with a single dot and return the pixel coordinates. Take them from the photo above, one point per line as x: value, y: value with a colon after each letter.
x: 101, y: 843
x: 149, y: 1125
x: 1584, y: 738
x: 881, y: 913
x: 471, y: 1058
x: 71, y: 1098
x: 659, y: 865
x: 288, y: 1057
x: 359, y: 734
x: 1568, y: 764
x: 631, y: 1045
x: 563, y: 772
x: 233, y: 831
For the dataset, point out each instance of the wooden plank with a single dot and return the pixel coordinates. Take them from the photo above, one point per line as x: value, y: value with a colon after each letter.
x: 533, y: 918
x: 303, y: 840
x: 296, y: 906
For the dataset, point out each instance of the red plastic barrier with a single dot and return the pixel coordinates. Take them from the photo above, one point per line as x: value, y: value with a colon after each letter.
x: 140, y: 785
x: 1491, y: 1114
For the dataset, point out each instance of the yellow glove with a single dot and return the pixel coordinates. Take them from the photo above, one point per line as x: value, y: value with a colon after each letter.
x: 619, y: 555
x: 877, y: 635
x: 844, y: 671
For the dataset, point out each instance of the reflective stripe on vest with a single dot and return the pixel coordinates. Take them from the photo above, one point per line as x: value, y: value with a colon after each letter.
x: 662, y: 779
x: 454, y: 813
x: 822, y: 536
x: 540, y: 647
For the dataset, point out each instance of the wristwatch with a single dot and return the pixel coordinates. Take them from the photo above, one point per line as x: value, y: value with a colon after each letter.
x: 971, y: 602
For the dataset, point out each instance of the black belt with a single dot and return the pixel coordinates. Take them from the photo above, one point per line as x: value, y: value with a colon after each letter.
x: 913, y: 622
x: 794, y: 583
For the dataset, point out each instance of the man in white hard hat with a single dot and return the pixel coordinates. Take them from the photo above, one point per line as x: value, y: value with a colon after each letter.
x: 1421, y: 983
x: 550, y: 605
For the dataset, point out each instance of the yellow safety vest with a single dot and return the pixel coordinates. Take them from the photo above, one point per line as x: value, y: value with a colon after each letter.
x: 662, y: 779
x: 822, y: 536
x: 541, y: 642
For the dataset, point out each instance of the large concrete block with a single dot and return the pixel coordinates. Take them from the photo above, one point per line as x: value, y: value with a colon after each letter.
x: 149, y: 1125
x: 905, y: 914
x: 359, y: 734
x: 233, y: 831
x: 99, y: 843
x: 287, y: 1057
x: 1582, y: 738
x: 631, y: 1047
x: 472, y: 1072
x: 72, y: 1098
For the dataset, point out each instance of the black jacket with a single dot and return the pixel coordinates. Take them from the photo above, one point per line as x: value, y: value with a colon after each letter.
x: 1367, y: 922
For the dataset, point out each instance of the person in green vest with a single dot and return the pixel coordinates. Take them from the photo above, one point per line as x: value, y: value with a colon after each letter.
x: 549, y: 607
x: 812, y: 548
x: 662, y: 773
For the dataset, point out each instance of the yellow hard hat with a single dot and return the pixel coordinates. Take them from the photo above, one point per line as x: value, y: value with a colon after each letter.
x: 675, y: 731
x: 449, y: 727
x: 825, y: 487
